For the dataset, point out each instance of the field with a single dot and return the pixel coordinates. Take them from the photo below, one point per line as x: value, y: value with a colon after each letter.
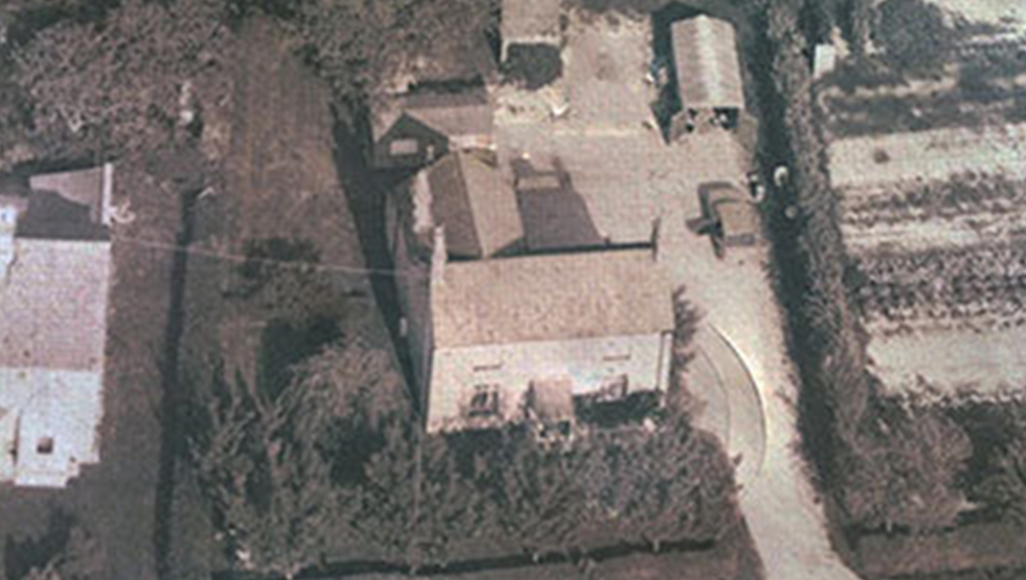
x: 931, y: 176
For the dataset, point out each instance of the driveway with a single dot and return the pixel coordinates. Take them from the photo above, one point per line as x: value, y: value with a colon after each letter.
x: 631, y: 180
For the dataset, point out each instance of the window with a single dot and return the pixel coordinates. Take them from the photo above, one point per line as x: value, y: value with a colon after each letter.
x: 483, y: 368
x: 484, y: 402
x: 404, y: 147
x: 613, y: 388
x: 45, y: 446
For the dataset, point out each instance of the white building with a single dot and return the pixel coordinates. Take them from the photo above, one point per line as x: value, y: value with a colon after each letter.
x: 54, y: 287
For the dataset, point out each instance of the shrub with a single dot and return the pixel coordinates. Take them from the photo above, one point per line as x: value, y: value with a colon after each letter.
x: 533, y: 66
x: 889, y: 466
x: 914, y: 35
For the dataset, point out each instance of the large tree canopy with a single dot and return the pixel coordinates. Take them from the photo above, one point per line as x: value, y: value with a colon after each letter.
x: 119, y: 83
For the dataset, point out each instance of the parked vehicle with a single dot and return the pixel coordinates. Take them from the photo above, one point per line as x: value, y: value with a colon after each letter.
x: 729, y: 215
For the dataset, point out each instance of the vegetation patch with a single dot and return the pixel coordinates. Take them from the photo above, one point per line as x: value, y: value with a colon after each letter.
x: 533, y: 66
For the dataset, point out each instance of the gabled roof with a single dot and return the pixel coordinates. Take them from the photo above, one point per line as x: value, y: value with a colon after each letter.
x: 551, y: 297
x: 530, y: 21
x: 468, y: 112
x: 707, y: 66
x: 475, y: 204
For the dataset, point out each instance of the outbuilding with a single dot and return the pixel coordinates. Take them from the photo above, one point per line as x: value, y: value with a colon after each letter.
x: 708, y: 74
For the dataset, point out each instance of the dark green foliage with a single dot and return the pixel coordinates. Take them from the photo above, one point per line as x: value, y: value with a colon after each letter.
x: 263, y: 254
x: 903, y: 469
x: 266, y: 464
x: 914, y: 35
x: 363, y: 47
x: 111, y: 84
x: 889, y: 467
x: 631, y: 486
x: 533, y: 66
x: 1003, y: 488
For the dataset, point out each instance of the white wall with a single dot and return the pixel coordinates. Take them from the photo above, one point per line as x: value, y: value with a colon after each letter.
x: 645, y: 359
x: 66, y: 406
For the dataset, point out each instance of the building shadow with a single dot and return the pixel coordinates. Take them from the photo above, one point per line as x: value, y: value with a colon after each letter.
x: 554, y: 215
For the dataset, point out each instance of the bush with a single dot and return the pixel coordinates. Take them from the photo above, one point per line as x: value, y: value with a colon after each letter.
x: 533, y: 66
x: 1003, y: 488
x: 903, y: 474
x: 267, y: 465
x: 889, y: 466
x: 914, y: 36
x: 114, y: 86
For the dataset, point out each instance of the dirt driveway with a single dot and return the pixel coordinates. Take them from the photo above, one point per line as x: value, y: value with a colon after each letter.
x: 630, y: 180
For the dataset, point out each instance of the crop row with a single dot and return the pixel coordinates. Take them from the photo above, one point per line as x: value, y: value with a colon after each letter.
x: 979, y: 287
x: 962, y: 195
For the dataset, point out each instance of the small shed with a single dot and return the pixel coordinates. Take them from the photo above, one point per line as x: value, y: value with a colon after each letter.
x: 708, y: 72
x: 529, y: 22
x: 415, y: 129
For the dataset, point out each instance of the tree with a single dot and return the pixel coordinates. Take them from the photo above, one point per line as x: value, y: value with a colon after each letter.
x: 269, y: 464
x: 119, y: 84
x: 363, y: 47
x: 78, y: 557
x: 914, y: 35
x: 668, y: 485
x: 904, y: 470
x: 1004, y: 487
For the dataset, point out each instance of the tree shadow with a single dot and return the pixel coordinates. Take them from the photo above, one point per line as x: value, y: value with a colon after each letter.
x: 24, y: 555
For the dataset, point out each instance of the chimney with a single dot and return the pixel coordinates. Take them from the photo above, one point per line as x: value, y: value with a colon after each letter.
x: 439, y: 255
x: 657, y: 235
x: 9, y: 213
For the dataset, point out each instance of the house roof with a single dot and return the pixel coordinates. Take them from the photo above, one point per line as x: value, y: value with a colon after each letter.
x: 550, y: 297
x: 707, y: 66
x: 530, y: 20
x: 86, y: 187
x: 467, y: 112
x: 53, y: 305
x: 475, y: 204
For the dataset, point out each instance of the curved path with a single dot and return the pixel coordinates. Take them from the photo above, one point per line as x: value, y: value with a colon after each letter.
x: 731, y: 405
x: 735, y: 296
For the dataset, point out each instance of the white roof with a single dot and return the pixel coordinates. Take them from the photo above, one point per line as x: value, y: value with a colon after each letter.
x: 53, y: 331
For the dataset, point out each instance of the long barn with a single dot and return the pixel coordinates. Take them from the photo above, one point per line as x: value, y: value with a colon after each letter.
x: 708, y: 73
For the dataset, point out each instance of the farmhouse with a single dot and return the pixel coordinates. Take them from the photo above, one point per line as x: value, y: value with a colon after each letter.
x: 55, y: 264
x: 527, y: 23
x: 708, y: 74
x: 414, y: 129
x: 499, y: 335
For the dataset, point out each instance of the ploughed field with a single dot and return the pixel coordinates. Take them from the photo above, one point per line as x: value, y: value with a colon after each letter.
x: 933, y: 217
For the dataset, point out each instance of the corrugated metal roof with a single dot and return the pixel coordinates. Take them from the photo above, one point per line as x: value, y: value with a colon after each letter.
x: 551, y: 297
x: 707, y: 65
